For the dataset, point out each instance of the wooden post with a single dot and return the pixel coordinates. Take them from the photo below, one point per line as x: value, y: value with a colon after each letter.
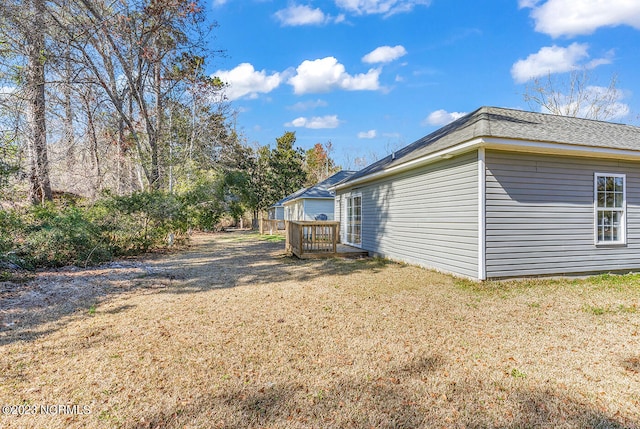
x: 334, y: 231
x: 287, y: 244
x: 301, y: 238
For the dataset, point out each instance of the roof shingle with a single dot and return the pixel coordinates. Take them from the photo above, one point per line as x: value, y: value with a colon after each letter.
x: 515, y: 125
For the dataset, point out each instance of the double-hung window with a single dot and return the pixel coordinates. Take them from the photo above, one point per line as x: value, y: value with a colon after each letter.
x: 610, y: 208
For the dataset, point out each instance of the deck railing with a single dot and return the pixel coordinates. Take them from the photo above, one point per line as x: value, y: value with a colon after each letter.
x: 309, y: 237
x: 272, y: 226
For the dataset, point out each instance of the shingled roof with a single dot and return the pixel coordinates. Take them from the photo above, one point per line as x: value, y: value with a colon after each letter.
x: 513, y: 124
x: 319, y: 190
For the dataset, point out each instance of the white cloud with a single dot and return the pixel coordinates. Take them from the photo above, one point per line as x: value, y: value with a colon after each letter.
x: 554, y: 59
x: 316, y: 122
x: 384, y: 54
x: 527, y: 3
x: 308, y: 105
x: 371, y: 134
x: 578, y: 17
x: 325, y: 74
x: 296, y: 15
x: 217, y: 3
x: 244, y: 80
x: 442, y: 117
x: 385, y: 7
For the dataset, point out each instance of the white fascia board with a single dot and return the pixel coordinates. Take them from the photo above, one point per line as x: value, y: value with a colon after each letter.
x: 528, y: 146
x: 415, y: 163
x: 552, y: 148
x: 308, y: 198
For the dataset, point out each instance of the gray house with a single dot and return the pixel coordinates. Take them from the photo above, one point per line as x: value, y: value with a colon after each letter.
x: 276, y: 211
x: 503, y: 193
x: 314, y: 202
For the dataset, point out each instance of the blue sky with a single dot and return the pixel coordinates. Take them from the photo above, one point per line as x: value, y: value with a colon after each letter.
x: 372, y: 76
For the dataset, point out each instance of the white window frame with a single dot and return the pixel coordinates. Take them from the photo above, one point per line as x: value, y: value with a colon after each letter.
x: 622, y: 210
x: 348, y: 201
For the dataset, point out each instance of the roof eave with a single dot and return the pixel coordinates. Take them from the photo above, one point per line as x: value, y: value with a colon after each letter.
x: 538, y: 147
x: 307, y: 198
x: 415, y: 163
x: 556, y: 148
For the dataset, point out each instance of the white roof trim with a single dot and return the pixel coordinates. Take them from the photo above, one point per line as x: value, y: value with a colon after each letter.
x: 414, y: 163
x: 560, y: 148
x: 307, y: 198
x: 499, y: 144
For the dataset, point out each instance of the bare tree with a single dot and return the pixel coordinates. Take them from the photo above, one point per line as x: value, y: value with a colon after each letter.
x: 576, y: 96
x: 23, y: 28
x: 135, y: 48
x: 103, y: 79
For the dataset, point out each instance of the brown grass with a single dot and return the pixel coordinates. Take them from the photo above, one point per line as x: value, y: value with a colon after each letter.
x: 233, y: 334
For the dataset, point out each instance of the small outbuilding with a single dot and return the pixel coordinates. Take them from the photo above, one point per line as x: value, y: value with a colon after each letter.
x: 276, y: 211
x: 503, y: 193
x: 314, y: 202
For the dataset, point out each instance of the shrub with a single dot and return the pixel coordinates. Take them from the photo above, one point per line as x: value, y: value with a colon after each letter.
x: 140, y: 221
x: 202, y: 204
x: 9, y: 225
x: 67, y: 233
x: 58, y: 236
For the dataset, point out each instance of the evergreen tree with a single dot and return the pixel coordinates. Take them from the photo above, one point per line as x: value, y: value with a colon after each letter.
x: 286, y: 173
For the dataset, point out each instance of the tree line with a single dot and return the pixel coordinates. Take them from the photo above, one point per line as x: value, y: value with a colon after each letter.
x: 106, y: 109
x: 102, y: 95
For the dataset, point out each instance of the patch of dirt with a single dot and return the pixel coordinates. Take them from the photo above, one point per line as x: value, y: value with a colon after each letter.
x: 49, y: 294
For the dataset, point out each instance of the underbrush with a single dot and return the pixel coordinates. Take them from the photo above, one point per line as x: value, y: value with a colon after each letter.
x: 77, y: 233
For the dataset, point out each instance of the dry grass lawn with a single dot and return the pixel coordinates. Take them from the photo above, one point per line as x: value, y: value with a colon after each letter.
x: 233, y: 334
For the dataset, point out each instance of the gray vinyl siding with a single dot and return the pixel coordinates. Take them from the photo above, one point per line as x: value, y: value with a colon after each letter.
x: 540, y: 216
x: 315, y: 207
x: 294, y: 210
x: 426, y: 216
x: 276, y: 213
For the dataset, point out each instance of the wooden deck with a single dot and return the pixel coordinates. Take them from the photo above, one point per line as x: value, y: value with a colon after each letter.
x: 342, y: 251
x: 318, y: 239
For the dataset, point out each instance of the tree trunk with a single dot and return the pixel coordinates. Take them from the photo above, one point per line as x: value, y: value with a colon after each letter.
x: 69, y: 138
x: 120, y: 155
x: 154, y: 135
x: 93, y: 143
x: 40, y: 189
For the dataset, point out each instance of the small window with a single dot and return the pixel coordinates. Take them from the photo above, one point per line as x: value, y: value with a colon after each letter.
x: 610, y: 208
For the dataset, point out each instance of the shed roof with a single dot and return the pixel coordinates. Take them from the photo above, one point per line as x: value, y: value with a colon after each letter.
x: 514, y: 125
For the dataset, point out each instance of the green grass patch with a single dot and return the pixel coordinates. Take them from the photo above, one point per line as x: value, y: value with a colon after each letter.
x: 602, y: 310
x: 516, y: 373
x: 275, y: 238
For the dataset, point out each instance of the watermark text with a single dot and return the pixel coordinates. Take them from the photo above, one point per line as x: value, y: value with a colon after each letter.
x: 40, y: 409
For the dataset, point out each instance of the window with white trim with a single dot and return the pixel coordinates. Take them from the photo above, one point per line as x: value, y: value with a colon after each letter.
x: 610, y: 208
